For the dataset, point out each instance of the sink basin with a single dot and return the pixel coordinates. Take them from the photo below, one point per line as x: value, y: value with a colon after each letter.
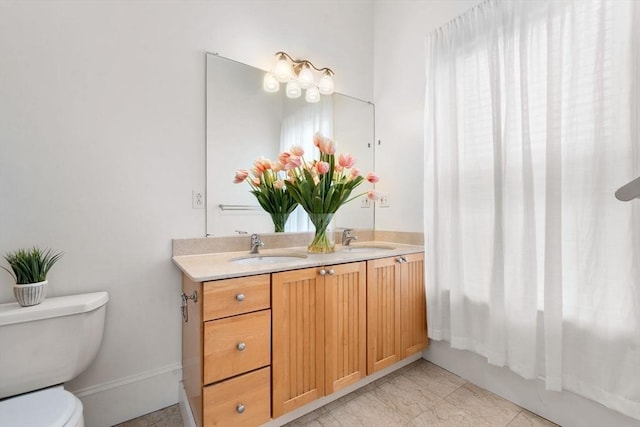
x: 366, y: 248
x: 267, y: 258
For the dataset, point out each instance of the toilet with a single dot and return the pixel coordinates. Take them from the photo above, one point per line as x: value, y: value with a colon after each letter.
x: 41, y: 348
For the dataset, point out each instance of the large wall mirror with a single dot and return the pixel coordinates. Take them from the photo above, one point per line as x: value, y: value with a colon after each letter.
x: 244, y: 122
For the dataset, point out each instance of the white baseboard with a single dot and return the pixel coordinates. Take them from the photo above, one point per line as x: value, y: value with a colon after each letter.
x: 117, y: 401
x: 564, y: 408
x: 185, y: 408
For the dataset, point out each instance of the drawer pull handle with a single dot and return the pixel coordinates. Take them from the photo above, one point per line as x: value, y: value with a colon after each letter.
x: 240, y: 408
x: 240, y: 297
x: 241, y: 346
x: 323, y: 272
x: 331, y: 272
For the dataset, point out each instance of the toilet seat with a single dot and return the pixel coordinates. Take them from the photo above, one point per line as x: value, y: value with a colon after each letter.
x: 51, y: 407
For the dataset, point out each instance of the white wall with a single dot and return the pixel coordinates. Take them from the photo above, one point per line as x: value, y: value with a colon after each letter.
x: 102, y: 139
x: 399, y: 82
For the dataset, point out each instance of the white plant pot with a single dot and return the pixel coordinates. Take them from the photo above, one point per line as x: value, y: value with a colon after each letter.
x: 30, y: 294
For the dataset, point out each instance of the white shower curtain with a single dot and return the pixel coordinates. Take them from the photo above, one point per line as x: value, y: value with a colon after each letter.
x: 531, y: 125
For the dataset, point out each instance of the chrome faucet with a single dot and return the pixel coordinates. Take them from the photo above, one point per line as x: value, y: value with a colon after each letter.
x: 255, y: 243
x: 347, y: 237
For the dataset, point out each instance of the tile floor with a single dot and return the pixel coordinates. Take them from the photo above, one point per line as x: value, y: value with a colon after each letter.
x: 420, y: 394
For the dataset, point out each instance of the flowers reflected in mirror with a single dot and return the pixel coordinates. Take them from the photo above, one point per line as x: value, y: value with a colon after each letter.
x: 266, y: 179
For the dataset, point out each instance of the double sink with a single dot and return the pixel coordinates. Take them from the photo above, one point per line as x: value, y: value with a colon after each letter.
x: 279, y: 257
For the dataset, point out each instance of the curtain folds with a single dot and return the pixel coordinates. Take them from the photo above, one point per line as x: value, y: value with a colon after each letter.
x: 531, y: 124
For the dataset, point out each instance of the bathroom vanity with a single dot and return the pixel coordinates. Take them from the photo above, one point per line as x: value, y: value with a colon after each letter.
x: 273, y: 332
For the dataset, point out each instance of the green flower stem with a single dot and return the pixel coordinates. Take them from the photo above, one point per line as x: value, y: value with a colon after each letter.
x: 321, y: 243
x: 279, y: 220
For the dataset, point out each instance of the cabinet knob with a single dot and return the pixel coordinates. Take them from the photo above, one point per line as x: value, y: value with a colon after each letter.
x: 402, y: 259
x: 240, y: 408
x: 331, y: 272
x: 241, y: 346
x: 322, y: 272
x: 240, y: 297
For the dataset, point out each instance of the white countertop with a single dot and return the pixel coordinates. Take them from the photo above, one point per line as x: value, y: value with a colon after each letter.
x: 215, y: 266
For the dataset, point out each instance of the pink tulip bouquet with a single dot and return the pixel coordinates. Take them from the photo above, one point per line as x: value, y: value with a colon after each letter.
x: 322, y: 186
x: 267, y: 185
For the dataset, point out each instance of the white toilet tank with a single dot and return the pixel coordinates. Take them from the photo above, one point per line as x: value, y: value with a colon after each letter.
x: 49, y: 343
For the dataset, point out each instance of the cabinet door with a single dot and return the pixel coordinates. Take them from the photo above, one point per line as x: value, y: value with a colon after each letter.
x: 345, y: 325
x: 383, y: 313
x: 297, y: 303
x: 414, y: 309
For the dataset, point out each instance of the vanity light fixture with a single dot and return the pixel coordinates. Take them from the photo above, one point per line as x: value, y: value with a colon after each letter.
x: 298, y: 75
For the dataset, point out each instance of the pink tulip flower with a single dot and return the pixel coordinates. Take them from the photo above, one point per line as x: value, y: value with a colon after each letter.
x: 373, y: 195
x: 372, y: 177
x: 322, y: 167
x: 329, y: 147
x: 279, y: 184
x: 292, y: 163
x: 318, y: 139
x: 283, y: 158
x: 277, y: 166
x: 296, y: 150
x: 241, y: 175
x: 261, y: 164
x: 346, y: 160
x: 355, y: 172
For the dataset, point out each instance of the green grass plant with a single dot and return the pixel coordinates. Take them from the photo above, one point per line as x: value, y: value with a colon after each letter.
x: 31, y: 265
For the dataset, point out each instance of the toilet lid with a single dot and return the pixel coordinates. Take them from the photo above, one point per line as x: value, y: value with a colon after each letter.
x: 53, y: 407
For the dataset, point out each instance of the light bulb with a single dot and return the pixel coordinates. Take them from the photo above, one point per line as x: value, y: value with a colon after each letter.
x: 325, y: 85
x: 312, y: 95
x: 282, y: 71
x: 270, y: 84
x: 305, y: 77
x: 293, y: 89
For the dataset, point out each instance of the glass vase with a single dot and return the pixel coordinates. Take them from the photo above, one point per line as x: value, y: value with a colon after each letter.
x: 323, y: 235
x: 279, y: 220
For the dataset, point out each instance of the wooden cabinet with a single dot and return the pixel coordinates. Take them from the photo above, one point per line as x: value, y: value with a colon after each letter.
x: 260, y: 346
x: 237, y: 344
x: 383, y: 313
x: 413, y: 305
x: 227, y: 351
x: 240, y: 401
x: 319, y: 334
x: 396, y: 310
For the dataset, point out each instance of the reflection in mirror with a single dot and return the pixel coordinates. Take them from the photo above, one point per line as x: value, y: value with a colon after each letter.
x: 244, y: 122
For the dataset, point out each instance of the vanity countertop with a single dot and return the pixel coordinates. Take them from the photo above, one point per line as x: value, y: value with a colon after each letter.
x: 215, y: 266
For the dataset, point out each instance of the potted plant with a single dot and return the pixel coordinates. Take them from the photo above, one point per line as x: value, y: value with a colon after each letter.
x: 322, y: 186
x: 29, y: 268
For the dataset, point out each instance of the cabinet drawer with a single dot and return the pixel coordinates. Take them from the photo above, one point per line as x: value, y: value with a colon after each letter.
x: 224, y: 298
x: 240, y: 401
x: 235, y: 345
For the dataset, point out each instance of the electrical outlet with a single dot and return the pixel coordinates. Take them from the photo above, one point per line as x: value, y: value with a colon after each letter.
x: 384, y: 201
x: 197, y: 199
x: 365, y: 202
